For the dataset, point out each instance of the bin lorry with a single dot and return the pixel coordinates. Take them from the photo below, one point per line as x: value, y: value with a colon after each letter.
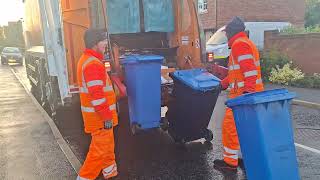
x: 54, y: 29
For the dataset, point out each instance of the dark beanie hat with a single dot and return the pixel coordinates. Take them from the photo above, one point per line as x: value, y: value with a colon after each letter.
x: 235, y: 26
x: 93, y: 36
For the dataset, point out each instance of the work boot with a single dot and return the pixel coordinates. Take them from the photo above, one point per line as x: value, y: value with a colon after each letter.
x: 224, y: 168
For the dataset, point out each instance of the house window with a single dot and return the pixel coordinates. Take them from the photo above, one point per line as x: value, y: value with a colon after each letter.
x: 203, y: 6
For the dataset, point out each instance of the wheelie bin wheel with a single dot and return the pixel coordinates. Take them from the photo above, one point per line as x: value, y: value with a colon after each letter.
x: 164, y: 124
x: 135, y: 128
x: 208, y: 135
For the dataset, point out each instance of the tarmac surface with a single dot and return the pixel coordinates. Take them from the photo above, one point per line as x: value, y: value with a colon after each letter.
x: 154, y: 155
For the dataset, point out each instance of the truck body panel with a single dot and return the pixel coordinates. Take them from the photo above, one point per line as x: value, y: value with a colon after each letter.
x: 57, y: 28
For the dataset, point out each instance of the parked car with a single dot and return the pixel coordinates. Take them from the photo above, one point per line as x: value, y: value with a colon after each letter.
x: 217, y: 48
x: 11, y: 54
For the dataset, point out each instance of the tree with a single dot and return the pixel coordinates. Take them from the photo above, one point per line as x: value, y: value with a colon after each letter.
x: 312, y: 13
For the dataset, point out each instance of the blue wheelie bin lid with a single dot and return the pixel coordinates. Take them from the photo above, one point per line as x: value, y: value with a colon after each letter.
x: 261, y: 97
x: 137, y: 58
x: 197, y: 79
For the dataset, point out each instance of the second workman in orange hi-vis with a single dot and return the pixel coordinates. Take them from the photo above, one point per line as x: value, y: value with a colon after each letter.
x: 244, y: 76
x: 98, y: 107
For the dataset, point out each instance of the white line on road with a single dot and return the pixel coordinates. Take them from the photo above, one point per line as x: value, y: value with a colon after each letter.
x: 308, y: 148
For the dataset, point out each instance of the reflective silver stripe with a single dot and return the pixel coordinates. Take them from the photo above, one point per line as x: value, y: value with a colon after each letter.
x: 105, y: 89
x: 259, y: 81
x: 244, y: 57
x: 231, y: 156
x: 90, y: 59
x: 81, y: 178
x: 108, y: 88
x: 230, y: 151
x: 84, y: 90
x: 98, y: 101
x: 91, y: 109
x: 95, y: 83
x: 113, y: 107
x: 251, y: 73
x: 257, y: 63
x: 240, y: 85
x: 109, y: 170
x: 87, y: 109
x: 237, y: 66
x: 234, y: 67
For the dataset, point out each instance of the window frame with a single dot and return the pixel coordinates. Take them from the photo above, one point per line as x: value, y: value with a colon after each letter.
x: 202, y: 6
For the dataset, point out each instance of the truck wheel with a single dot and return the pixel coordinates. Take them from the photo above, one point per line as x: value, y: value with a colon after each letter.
x: 208, y: 135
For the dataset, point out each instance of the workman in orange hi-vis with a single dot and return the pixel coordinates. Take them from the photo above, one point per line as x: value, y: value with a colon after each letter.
x: 244, y: 76
x: 98, y: 107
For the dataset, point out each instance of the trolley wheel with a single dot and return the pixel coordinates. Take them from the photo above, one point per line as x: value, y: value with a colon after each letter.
x: 164, y: 124
x: 135, y: 128
x: 208, y: 135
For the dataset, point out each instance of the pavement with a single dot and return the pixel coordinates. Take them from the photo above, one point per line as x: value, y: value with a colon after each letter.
x: 305, y: 94
x: 153, y: 154
x: 28, y: 147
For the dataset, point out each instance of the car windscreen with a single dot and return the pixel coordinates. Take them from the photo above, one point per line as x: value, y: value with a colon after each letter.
x: 218, y: 38
x: 11, y: 50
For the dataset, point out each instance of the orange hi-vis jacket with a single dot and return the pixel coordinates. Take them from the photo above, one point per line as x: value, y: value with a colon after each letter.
x: 244, y: 75
x: 244, y: 67
x: 98, y: 99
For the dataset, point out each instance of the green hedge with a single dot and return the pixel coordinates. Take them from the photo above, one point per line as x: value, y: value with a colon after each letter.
x: 278, y: 69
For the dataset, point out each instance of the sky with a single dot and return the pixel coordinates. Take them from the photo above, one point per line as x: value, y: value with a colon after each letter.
x: 10, y: 10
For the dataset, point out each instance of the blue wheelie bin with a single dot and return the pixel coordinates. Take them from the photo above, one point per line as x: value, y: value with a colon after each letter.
x: 143, y: 80
x: 264, y: 127
x: 194, y: 96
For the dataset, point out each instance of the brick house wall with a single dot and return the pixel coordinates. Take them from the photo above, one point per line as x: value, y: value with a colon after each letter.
x: 303, y: 49
x: 292, y: 11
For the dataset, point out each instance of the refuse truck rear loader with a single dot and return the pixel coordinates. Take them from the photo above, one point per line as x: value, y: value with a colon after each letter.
x: 54, y: 30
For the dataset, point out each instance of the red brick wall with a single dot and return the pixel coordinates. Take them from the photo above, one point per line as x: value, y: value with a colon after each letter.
x: 303, y: 49
x: 257, y: 10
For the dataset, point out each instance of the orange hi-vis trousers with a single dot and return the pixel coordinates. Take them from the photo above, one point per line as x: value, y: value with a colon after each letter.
x: 100, y: 157
x: 230, y: 140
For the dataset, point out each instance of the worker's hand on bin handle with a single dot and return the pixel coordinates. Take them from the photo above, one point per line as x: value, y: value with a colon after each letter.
x: 108, y: 124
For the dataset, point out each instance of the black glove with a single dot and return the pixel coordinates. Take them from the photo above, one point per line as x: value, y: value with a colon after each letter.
x: 108, y: 124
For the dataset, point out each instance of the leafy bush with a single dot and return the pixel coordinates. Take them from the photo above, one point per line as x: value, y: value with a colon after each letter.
x: 308, y: 82
x: 294, y: 30
x: 286, y: 75
x: 271, y: 60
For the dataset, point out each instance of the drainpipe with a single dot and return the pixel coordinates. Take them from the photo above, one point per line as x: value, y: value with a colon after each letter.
x: 216, y: 12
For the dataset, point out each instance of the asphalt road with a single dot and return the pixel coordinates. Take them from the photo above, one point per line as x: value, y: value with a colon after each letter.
x: 153, y: 154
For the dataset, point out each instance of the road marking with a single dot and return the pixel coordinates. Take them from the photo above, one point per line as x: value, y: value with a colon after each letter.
x: 308, y: 148
x: 72, y: 158
x: 306, y: 104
